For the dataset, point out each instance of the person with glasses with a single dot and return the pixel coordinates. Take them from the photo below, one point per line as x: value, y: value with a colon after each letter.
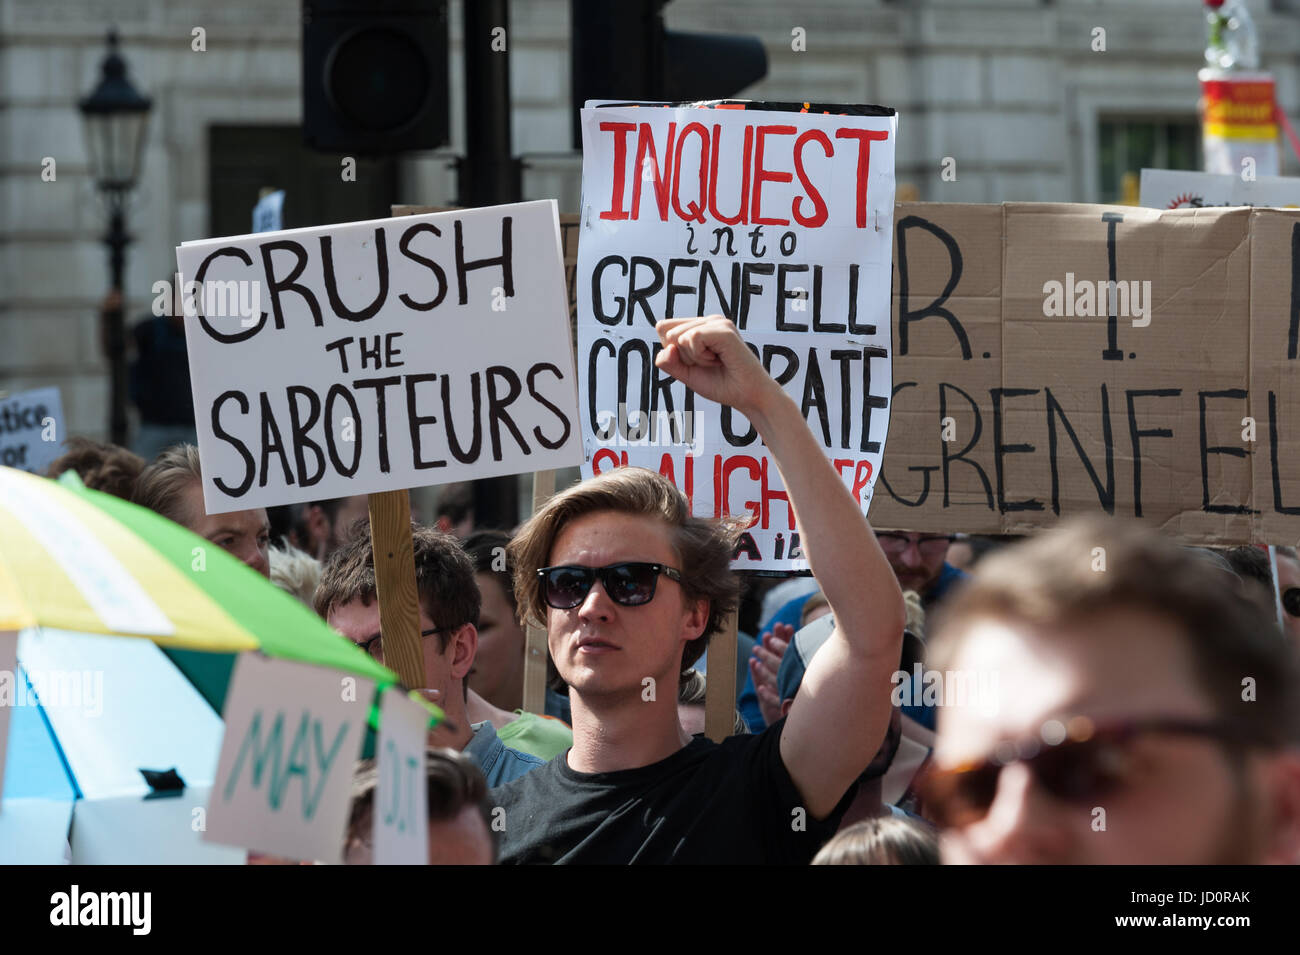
x: 1124, y: 704
x: 630, y: 586
x: 449, y: 616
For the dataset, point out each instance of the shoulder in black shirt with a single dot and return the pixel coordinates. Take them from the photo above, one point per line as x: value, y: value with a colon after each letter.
x: 714, y: 803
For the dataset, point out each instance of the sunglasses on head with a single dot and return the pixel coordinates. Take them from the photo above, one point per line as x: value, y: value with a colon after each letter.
x: 1076, y: 761
x: 628, y: 584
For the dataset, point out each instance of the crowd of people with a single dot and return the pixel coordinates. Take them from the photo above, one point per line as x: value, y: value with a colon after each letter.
x: 1096, y: 693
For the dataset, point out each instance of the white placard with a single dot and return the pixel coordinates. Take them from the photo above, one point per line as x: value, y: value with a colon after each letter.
x: 1178, y: 189
x: 31, y: 429
x: 267, y: 214
x: 782, y: 221
x: 401, y: 817
x: 284, y: 779
x: 380, y: 355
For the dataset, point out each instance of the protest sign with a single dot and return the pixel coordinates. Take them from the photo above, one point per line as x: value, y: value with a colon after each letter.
x: 31, y: 429
x: 1180, y: 189
x: 780, y: 220
x: 400, y: 809
x: 379, y: 355
x: 1057, y: 359
x: 284, y: 778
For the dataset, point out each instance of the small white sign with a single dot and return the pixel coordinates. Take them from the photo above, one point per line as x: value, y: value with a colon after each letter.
x: 1178, y: 189
x: 401, y: 815
x: 284, y: 779
x: 267, y: 214
x: 31, y: 429
x: 376, y: 356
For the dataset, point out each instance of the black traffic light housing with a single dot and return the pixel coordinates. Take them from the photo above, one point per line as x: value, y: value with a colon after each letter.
x: 375, y: 76
x: 621, y: 51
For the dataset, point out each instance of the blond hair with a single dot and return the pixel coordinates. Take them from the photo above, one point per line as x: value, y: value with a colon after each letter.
x: 162, y: 485
x: 294, y: 571
x: 884, y: 840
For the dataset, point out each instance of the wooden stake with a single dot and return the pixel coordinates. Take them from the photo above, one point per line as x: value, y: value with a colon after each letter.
x: 399, y: 602
x: 720, y: 683
x: 535, y: 642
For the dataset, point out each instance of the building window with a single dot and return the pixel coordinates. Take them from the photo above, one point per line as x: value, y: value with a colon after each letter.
x: 1127, y: 145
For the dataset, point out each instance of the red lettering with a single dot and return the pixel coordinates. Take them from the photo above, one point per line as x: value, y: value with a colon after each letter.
x: 663, y: 178
x: 744, y: 183
x: 614, y: 461
x: 761, y: 175
x: 620, y: 131
x: 769, y: 496
x: 864, y: 138
x: 860, y: 480
x: 750, y: 465
x: 696, y: 209
x: 819, y: 207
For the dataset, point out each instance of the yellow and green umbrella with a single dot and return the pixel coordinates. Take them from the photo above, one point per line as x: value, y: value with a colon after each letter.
x: 80, y: 560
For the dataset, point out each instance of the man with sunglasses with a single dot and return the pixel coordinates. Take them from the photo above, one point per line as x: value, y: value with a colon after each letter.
x: 1131, y: 707
x: 449, y: 615
x: 630, y: 585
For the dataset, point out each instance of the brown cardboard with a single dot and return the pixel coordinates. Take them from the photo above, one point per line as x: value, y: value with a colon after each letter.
x: 1046, y: 373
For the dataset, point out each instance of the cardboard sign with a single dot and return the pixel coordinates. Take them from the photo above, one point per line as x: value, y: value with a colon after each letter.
x: 31, y: 429
x: 1176, y: 189
x: 782, y: 221
x: 401, y: 813
x: 379, y: 355
x: 284, y: 779
x: 1027, y: 387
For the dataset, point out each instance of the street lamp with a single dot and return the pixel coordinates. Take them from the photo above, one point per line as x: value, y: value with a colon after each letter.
x: 115, y: 117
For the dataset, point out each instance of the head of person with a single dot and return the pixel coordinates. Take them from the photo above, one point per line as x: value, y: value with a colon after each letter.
x: 692, y: 695
x: 321, y: 526
x: 665, y: 589
x: 295, y: 572
x: 454, y: 513
x: 884, y: 840
x: 448, y: 599
x: 1288, y: 580
x: 498, y: 671
x: 1127, y: 705
x: 172, y: 485
x: 460, y: 831
x: 102, y: 467
x: 916, y: 557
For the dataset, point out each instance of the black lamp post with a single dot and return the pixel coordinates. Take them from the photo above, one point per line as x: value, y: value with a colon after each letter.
x: 115, y: 117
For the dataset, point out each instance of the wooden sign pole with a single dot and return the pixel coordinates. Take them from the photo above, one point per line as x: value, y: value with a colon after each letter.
x: 399, y: 602
x: 535, y: 639
x: 720, y: 683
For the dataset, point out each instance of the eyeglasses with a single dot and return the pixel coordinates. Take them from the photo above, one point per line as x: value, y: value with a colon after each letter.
x: 374, y: 646
x: 1076, y: 761
x: 630, y: 584
x: 1291, y: 601
x: 928, y: 544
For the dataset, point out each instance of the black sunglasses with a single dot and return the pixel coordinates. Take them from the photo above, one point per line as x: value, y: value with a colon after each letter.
x: 1088, y: 764
x: 1291, y: 601
x: 374, y: 646
x: 630, y: 584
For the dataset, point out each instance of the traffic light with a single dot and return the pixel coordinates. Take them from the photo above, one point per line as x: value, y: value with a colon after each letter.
x: 374, y: 75
x: 622, y: 51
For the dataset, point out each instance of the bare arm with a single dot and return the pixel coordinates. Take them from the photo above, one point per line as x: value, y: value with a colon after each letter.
x: 840, y: 715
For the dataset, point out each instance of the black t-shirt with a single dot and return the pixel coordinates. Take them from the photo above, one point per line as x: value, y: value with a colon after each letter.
x: 717, y: 803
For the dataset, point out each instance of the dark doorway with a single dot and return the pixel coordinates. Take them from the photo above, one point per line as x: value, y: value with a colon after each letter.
x: 243, y: 160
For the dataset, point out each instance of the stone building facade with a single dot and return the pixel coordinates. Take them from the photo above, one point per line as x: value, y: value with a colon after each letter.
x: 1014, y: 92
